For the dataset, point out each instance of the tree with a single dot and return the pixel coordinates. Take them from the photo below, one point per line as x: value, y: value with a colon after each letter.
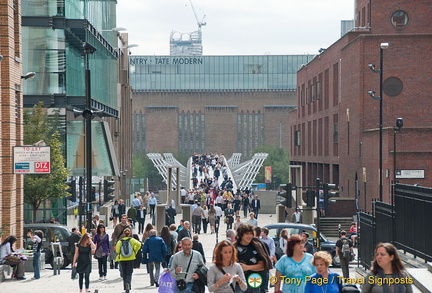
x: 278, y: 159
x: 41, y: 187
x: 144, y: 168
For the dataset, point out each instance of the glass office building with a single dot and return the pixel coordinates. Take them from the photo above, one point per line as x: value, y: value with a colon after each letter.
x: 215, y: 73
x: 53, y: 33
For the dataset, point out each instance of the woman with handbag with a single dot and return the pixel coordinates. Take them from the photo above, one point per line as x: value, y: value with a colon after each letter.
x: 82, y: 260
x: 7, y: 257
x: 102, y: 250
x: 225, y: 274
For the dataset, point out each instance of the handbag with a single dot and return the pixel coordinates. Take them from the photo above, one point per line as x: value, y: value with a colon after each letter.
x: 111, y: 218
x: 74, y: 273
x: 181, y: 284
x: 99, y: 253
x: 12, y: 259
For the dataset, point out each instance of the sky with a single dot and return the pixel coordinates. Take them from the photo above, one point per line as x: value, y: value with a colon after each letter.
x: 236, y: 27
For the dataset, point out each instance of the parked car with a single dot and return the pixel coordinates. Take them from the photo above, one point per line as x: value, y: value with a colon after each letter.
x: 326, y: 245
x: 51, y: 232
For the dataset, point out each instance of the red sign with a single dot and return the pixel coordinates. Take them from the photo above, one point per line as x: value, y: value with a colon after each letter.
x: 42, y: 167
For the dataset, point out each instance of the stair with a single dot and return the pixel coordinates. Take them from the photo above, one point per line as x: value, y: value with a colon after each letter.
x: 329, y: 226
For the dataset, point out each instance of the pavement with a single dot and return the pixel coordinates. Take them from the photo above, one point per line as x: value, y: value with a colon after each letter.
x: 140, y: 279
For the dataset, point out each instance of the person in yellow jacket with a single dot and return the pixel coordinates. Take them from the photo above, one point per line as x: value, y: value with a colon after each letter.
x: 127, y: 263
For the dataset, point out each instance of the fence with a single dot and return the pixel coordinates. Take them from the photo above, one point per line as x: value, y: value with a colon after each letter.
x: 411, y: 220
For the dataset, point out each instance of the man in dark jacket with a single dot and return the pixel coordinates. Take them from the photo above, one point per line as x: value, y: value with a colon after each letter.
x: 196, y: 245
x: 156, y: 248
x: 184, y: 232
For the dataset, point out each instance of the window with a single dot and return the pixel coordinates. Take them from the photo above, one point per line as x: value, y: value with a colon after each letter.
x: 399, y: 18
x: 297, y: 138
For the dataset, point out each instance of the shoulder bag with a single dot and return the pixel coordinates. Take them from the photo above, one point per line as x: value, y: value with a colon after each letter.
x: 99, y: 253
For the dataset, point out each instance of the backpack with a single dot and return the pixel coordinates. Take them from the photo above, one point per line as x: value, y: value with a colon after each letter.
x: 126, y: 248
x: 346, y: 247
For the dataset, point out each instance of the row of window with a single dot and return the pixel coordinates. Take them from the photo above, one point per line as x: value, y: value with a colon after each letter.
x: 312, y: 138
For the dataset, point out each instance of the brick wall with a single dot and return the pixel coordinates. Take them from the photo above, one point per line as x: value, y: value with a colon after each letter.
x: 11, y: 185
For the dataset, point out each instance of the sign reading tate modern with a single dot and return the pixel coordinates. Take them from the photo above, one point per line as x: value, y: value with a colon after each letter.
x: 32, y: 160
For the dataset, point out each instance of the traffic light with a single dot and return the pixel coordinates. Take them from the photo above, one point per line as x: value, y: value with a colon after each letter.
x: 330, y: 190
x: 72, y: 190
x: 310, y: 198
x: 286, y: 192
x: 108, y: 190
x: 93, y: 194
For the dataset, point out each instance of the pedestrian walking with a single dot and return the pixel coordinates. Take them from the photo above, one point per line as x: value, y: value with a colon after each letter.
x: 170, y: 243
x: 387, y: 267
x: 82, y: 260
x: 102, y: 250
x: 344, y: 249
x: 295, y: 265
x: 127, y: 258
x: 251, y: 254
x: 323, y: 279
x: 225, y: 273
x: 184, y: 265
x: 156, y: 248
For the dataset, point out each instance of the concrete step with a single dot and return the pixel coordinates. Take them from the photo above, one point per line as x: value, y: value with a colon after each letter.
x: 422, y: 277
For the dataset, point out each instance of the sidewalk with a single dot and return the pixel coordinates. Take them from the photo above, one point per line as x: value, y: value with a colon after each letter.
x: 140, y: 279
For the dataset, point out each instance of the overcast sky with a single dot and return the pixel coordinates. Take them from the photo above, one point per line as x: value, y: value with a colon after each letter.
x: 236, y: 27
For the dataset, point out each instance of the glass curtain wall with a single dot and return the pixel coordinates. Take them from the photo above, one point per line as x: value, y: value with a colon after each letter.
x: 264, y: 72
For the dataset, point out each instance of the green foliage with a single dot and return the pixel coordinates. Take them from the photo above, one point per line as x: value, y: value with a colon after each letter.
x: 278, y: 159
x: 144, y: 168
x: 41, y: 187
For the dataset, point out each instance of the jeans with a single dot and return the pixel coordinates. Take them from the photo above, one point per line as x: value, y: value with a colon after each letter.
x: 127, y: 270
x: 154, y: 277
x: 36, y: 264
x: 187, y: 290
x: 102, y: 264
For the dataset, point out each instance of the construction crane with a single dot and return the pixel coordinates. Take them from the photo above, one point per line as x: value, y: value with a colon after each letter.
x: 199, y: 23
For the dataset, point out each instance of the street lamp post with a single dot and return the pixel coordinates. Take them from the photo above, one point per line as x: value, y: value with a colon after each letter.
x: 88, y: 116
x: 383, y: 46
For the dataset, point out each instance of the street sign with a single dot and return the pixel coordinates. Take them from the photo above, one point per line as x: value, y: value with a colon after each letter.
x: 410, y: 174
x: 32, y: 160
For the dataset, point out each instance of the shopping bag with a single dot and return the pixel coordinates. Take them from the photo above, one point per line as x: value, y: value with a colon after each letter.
x: 166, y: 283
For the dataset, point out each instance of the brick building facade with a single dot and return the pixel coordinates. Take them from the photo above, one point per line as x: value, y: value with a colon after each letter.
x: 11, y: 117
x: 222, y: 104
x: 335, y: 130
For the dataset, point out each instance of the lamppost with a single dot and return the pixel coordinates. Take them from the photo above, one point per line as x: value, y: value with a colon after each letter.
x: 88, y: 115
x: 396, y: 129
x: 383, y: 46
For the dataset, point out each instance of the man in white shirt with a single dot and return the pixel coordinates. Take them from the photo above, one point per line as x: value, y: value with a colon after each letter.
x: 183, y: 194
x: 269, y: 241
x: 218, y: 216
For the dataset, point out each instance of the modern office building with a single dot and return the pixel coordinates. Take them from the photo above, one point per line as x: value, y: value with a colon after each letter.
x: 336, y: 128
x: 224, y: 104
x: 56, y: 35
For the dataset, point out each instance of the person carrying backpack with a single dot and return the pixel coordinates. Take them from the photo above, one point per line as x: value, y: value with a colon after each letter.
x: 127, y: 249
x: 344, y: 248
